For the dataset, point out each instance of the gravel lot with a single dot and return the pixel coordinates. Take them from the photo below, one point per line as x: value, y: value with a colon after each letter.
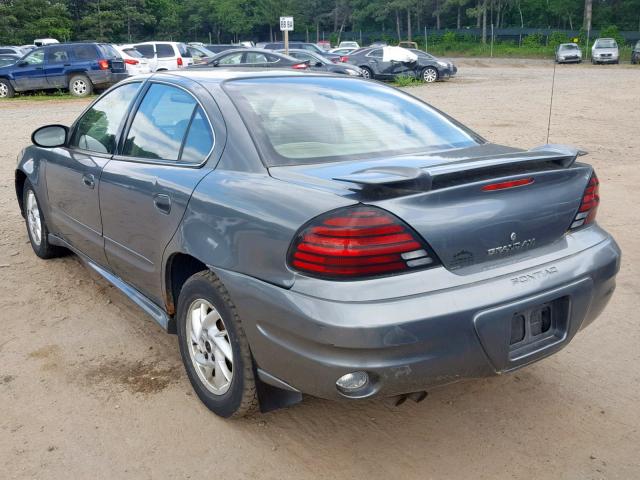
x: 90, y: 387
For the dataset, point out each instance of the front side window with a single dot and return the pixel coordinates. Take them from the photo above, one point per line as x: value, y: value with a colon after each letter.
x: 161, y: 123
x: 58, y: 55
x: 331, y: 119
x: 35, y: 58
x: 231, y: 59
x: 165, y: 50
x: 97, y: 129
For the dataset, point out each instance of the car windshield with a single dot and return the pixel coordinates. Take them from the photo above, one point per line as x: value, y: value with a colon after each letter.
x: 318, y: 119
x: 568, y: 47
x: 606, y: 43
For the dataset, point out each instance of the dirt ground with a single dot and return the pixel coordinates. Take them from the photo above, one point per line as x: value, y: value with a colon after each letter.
x: 92, y: 388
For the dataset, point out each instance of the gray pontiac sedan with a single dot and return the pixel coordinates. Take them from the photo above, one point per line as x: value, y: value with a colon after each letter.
x: 318, y: 234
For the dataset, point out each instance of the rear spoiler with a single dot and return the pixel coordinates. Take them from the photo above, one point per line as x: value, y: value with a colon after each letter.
x: 467, y: 170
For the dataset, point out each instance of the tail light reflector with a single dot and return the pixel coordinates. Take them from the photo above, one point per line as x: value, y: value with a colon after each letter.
x: 344, y: 59
x: 358, y: 242
x: 300, y: 66
x: 589, y: 204
x: 103, y: 64
x: 179, y: 60
x: 492, y: 187
x: 131, y: 61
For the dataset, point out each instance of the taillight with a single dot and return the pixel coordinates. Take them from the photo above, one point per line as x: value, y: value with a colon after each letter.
x: 589, y: 204
x: 131, y: 61
x: 358, y: 242
x: 103, y: 64
x: 344, y: 59
x: 300, y: 66
x: 179, y: 60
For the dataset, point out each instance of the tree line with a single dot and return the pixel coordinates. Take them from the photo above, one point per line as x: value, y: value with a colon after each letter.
x: 232, y: 20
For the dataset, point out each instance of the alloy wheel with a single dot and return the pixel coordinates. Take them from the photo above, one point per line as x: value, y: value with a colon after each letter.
x: 33, y: 218
x: 430, y: 75
x: 209, y: 346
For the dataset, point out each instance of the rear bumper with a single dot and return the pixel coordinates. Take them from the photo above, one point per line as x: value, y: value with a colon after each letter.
x: 417, y: 341
x: 105, y: 78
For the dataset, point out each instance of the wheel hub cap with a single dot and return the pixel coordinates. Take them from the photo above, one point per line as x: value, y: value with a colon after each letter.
x: 79, y: 87
x: 209, y: 346
x: 33, y: 218
x: 3, y: 90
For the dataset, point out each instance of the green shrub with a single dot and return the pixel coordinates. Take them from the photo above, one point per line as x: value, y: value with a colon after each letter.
x: 556, y: 38
x: 406, y: 81
x: 612, y: 32
x: 533, y: 40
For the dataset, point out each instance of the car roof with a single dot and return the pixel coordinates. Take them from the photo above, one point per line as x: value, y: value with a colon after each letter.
x: 219, y: 75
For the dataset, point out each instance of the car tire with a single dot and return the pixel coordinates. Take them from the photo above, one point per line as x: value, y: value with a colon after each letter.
x: 80, y: 86
x: 213, y: 347
x: 367, y: 73
x: 6, y: 90
x: 429, y: 75
x: 36, y: 226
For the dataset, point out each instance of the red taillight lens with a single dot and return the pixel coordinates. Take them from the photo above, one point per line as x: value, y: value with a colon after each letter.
x: 358, y: 242
x: 300, y: 66
x: 103, y: 64
x: 179, y: 60
x: 492, y: 187
x: 344, y: 59
x: 589, y: 204
x: 131, y: 61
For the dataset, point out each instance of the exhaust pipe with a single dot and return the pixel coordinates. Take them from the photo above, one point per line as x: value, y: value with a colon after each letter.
x: 400, y: 399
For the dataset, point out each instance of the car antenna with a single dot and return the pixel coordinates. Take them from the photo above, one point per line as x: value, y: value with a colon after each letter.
x: 553, y: 83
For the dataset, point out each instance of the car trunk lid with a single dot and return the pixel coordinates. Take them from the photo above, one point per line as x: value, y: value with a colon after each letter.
x: 458, y: 200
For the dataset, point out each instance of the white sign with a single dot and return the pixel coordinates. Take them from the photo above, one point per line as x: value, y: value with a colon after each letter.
x: 286, y: 24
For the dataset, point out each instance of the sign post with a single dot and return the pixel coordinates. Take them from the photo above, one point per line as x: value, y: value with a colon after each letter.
x: 286, y: 26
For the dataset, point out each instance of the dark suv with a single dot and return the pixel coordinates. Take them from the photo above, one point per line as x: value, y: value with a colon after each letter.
x: 78, y: 67
x: 635, y: 54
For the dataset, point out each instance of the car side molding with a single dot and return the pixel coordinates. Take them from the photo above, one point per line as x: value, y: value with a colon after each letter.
x: 159, y: 315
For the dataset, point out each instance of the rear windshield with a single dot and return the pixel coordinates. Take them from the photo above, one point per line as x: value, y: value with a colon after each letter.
x: 184, y: 51
x: 321, y: 119
x: 132, y: 52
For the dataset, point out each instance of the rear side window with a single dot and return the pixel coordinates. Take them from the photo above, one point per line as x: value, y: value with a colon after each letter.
x: 164, y: 50
x: 255, y: 58
x: 160, y: 126
x: 145, y: 50
x: 199, y: 140
x: 184, y: 51
x: 84, y: 52
x: 97, y: 129
x: 377, y: 53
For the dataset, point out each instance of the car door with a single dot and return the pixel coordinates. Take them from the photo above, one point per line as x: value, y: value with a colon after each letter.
x: 166, y: 55
x: 29, y: 74
x: 145, y: 189
x: 73, y: 173
x: 380, y: 68
x: 57, y: 59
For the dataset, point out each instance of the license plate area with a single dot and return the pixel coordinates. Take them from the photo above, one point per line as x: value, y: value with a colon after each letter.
x: 537, y: 327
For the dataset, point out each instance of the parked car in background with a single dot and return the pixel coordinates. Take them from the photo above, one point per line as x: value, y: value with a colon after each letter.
x: 426, y: 68
x: 312, y: 47
x: 324, y: 45
x: 41, y: 42
x: 165, y: 55
x: 8, y: 59
x: 635, y: 54
x: 8, y: 49
x: 199, y: 53
x: 134, y: 62
x: 27, y: 48
x: 349, y: 44
x: 409, y: 45
x: 568, y: 53
x: 221, y: 47
x: 321, y: 235
x: 77, y: 67
x: 252, y: 57
x: 605, y: 50
x: 319, y: 63
x: 343, y: 50
x: 379, y: 44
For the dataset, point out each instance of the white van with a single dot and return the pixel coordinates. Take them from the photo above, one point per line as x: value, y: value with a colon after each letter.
x: 41, y: 42
x: 165, y: 55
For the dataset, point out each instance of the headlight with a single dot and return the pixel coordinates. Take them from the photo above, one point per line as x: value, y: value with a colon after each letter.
x: 442, y: 64
x: 353, y: 72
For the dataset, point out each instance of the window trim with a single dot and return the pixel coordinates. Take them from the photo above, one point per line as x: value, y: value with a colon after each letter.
x: 74, y: 126
x: 154, y: 161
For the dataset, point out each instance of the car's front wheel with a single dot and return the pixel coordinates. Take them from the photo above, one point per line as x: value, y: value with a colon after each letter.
x: 80, y: 86
x: 429, y: 75
x: 6, y: 90
x: 36, y: 226
x: 214, y: 348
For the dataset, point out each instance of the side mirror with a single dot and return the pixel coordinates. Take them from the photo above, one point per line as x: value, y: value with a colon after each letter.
x: 215, y: 63
x: 50, y: 136
x: 22, y: 63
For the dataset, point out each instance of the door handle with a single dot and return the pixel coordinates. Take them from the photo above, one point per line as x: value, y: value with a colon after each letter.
x: 89, y: 180
x: 162, y: 202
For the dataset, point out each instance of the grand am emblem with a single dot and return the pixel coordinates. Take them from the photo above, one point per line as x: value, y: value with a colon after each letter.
x: 513, y: 246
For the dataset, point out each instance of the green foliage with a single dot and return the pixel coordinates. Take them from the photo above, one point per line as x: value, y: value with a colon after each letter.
x: 612, y: 32
x: 556, y: 38
x: 533, y: 40
x: 406, y: 81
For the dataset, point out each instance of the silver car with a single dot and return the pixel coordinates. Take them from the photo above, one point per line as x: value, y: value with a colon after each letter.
x: 605, y: 50
x: 568, y: 53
